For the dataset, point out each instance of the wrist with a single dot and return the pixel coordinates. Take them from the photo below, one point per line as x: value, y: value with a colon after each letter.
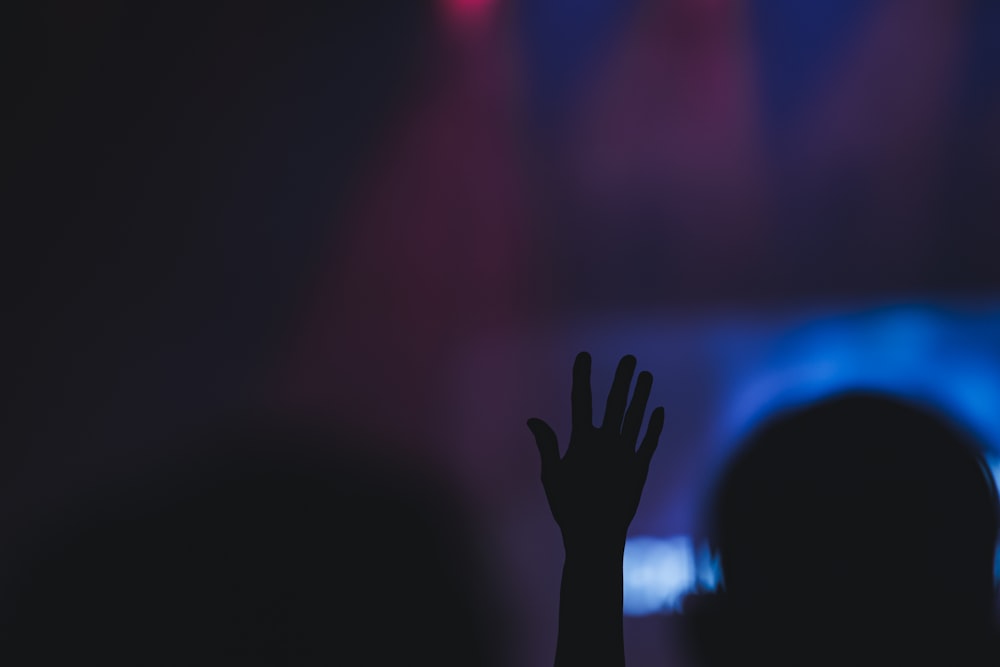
x: 596, y: 549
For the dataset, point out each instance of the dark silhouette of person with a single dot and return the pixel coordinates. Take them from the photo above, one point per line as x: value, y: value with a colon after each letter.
x: 859, y: 530
x: 257, y: 557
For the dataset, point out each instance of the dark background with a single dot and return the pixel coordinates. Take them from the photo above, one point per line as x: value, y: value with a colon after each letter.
x: 404, y: 219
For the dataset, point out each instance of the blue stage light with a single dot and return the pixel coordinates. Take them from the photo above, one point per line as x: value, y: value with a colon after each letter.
x: 657, y: 572
x: 944, y: 357
x: 929, y: 354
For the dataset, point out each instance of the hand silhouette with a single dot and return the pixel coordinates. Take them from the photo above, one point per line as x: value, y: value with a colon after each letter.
x: 593, y: 491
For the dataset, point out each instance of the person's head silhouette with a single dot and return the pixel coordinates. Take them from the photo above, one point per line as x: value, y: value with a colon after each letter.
x: 860, y: 528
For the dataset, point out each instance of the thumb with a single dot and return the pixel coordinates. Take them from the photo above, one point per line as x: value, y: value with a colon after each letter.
x: 546, y: 441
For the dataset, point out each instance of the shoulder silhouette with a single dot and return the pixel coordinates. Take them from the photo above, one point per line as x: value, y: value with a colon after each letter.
x: 256, y: 558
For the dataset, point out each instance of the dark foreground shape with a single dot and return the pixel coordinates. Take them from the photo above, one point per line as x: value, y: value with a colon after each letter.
x: 860, y: 530
x: 256, y: 558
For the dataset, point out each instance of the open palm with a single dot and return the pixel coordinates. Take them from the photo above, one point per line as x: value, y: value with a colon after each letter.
x: 594, y: 489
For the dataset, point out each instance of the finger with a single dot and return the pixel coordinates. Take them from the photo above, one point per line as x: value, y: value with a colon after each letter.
x: 637, y: 410
x: 618, y: 396
x: 652, y: 438
x: 546, y: 441
x: 581, y: 400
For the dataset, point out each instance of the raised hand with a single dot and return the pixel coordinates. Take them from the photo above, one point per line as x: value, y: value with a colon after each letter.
x: 593, y: 491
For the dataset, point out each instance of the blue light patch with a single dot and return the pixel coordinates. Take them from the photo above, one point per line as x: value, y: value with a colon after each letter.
x: 658, y: 572
x: 928, y: 354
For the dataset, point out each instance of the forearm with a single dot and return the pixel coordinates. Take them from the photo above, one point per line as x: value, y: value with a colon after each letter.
x: 590, y: 609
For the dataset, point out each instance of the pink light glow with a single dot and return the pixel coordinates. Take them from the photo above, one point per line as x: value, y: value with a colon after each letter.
x: 467, y: 12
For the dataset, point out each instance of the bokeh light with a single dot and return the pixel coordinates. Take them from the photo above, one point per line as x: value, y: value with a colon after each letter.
x: 940, y: 355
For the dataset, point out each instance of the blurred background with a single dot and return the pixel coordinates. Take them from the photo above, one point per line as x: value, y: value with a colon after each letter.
x: 405, y: 219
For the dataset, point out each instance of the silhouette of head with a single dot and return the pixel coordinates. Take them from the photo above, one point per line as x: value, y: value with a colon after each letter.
x: 257, y: 558
x: 861, y: 528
